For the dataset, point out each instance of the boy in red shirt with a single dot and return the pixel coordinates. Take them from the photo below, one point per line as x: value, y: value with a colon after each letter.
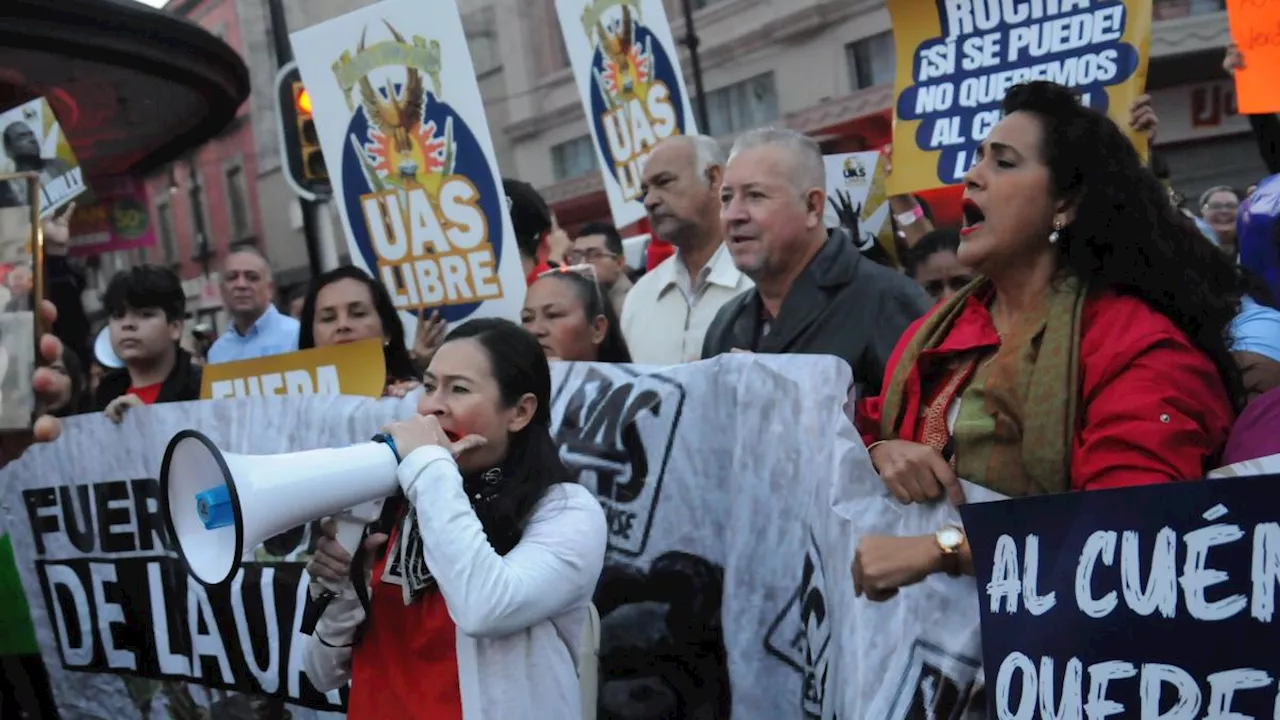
x: 147, y: 307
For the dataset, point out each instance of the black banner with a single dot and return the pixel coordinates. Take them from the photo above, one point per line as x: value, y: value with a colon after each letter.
x: 1156, y: 602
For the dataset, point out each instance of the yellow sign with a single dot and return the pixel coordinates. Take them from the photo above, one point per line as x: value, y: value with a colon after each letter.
x: 354, y: 369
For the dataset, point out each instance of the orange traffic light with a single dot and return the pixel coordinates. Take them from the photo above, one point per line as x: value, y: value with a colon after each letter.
x: 302, y: 101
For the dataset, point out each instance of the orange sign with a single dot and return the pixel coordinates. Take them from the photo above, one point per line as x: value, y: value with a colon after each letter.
x: 1255, y: 28
x: 355, y: 369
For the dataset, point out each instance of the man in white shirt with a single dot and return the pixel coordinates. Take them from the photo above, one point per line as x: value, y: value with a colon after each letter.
x: 666, y: 314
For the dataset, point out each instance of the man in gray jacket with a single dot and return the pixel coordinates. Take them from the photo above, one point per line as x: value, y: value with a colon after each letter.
x: 814, y: 292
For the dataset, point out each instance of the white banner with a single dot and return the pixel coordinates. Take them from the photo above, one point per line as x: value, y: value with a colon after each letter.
x: 403, y: 131
x: 735, y: 490
x: 627, y: 69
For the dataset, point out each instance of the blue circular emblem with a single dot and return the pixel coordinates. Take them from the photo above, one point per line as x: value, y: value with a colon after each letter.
x: 644, y: 50
x: 468, y: 161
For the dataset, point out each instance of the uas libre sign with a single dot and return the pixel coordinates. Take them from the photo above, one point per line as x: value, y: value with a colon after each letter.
x: 403, y: 132
x: 726, y: 589
x: 1155, y: 602
x: 956, y: 59
x: 631, y: 86
x: 357, y: 368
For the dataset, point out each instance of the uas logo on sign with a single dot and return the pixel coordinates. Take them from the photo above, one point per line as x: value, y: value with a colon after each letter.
x: 424, y: 207
x: 635, y: 91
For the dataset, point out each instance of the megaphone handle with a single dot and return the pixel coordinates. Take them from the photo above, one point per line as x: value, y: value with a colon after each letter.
x: 350, y: 531
x: 351, y: 524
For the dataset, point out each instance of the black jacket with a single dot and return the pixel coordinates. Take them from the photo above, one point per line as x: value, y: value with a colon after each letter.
x: 182, y: 384
x: 843, y: 304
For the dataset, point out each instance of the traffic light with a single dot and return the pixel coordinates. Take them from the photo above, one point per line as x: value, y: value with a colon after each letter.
x: 313, y: 169
x: 299, y: 142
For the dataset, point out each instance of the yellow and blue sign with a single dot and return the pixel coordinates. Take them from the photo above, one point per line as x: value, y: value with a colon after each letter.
x: 958, y: 58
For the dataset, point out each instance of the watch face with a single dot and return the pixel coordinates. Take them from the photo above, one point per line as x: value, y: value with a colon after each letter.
x: 950, y: 538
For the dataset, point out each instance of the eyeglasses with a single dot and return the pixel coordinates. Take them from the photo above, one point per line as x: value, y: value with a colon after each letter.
x: 589, y: 255
x: 583, y: 270
x: 1221, y: 206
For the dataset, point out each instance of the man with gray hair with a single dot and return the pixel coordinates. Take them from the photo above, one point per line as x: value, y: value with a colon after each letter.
x: 814, y: 292
x: 666, y: 313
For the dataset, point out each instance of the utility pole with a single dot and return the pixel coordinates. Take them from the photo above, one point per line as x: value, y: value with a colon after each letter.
x: 691, y: 41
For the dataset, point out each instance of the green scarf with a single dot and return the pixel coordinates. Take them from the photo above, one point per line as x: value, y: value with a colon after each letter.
x: 1017, y: 414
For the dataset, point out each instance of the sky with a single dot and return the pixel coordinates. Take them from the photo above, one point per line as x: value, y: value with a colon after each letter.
x: 154, y: 3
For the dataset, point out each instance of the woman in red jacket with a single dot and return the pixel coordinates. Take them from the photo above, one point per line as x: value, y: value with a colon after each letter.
x: 1090, y: 352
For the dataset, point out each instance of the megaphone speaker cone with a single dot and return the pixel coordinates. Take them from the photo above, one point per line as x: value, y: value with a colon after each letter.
x: 218, y: 506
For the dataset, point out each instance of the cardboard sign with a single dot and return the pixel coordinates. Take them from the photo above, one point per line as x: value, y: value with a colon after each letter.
x: 1255, y: 28
x: 357, y: 368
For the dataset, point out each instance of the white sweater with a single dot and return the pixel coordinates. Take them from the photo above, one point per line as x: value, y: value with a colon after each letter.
x: 519, y: 616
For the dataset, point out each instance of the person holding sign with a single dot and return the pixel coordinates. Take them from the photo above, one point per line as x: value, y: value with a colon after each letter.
x: 345, y: 305
x: 1090, y: 353
x: 481, y: 581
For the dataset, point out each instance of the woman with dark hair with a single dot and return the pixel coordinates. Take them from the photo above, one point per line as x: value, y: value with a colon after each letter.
x: 483, y: 569
x: 573, y: 321
x: 345, y: 305
x: 932, y: 263
x: 1091, y: 353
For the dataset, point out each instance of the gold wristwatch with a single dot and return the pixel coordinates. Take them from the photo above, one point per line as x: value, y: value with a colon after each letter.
x: 950, y: 540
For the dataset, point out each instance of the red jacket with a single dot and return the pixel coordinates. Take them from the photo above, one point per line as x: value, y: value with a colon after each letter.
x: 1154, y: 408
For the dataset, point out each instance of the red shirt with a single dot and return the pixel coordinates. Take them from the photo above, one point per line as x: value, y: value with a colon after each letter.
x: 406, y: 665
x: 1153, y: 408
x: 538, y: 269
x: 146, y: 394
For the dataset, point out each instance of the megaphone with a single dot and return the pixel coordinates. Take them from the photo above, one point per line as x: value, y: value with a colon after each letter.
x: 219, y: 505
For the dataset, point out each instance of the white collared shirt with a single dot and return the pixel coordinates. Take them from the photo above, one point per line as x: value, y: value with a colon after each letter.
x: 666, y: 315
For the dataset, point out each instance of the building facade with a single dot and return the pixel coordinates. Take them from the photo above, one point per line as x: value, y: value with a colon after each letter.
x: 826, y: 67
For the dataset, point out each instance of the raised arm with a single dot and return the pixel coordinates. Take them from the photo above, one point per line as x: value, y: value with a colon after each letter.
x: 554, y: 567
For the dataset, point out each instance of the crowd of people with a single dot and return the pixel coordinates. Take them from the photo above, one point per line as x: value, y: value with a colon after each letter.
x: 1079, y: 331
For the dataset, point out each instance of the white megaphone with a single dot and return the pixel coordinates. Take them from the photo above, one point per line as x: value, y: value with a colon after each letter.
x: 219, y: 506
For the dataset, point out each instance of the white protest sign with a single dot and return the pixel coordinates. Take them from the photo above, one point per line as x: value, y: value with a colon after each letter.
x: 627, y: 70
x: 403, y: 131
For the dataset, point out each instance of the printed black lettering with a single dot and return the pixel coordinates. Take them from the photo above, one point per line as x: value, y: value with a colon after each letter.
x: 116, y: 529
x: 43, y: 522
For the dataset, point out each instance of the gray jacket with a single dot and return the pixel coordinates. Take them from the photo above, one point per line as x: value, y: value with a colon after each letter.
x: 842, y: 304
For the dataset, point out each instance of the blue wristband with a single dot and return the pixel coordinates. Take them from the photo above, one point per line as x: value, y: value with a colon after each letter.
x: 391, y: 443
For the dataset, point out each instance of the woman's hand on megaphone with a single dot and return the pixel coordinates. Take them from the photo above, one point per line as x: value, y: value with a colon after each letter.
x: 425, y: 430
x: 331, y: 561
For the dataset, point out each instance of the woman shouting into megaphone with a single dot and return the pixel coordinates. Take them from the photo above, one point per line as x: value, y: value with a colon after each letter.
x: 479, y: 579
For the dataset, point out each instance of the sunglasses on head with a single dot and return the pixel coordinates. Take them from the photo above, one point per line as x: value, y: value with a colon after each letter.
x: 583, y: 270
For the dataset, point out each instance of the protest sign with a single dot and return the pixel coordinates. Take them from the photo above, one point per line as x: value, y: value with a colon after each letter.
x: 1154, y: 602
x: 735, y: 491
x: 857, y: 181
x: 957, y: 59
x: 117, y: 220
x: 403, y: 131
x: 34, y: 142
x: 357, y: 368
x: 1255, y: 29
x: 628, y: 77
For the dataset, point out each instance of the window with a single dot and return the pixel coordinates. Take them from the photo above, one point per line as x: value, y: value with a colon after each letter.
x: 573, y: 158
x: 871, y: 60
x: 481, y: 29
x: 164, y: 226
x: 742, y: 106
x: 238, y: 203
